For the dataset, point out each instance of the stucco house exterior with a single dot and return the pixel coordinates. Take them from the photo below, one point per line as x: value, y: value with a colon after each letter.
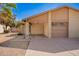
x: 1, y: 28
x: 59, y: 22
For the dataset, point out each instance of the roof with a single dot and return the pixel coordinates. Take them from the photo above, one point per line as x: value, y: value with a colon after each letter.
x: 52, y: 10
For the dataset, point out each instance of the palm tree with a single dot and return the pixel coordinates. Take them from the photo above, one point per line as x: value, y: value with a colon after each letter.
x: 7, y: 7
x: 6, y: 14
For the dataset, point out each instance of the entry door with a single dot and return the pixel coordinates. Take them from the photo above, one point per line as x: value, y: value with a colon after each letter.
x: 59, y: 29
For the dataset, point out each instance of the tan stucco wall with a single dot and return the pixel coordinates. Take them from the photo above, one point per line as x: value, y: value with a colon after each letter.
x: 49, y: 23
x: 21, y: 29
x: 46, y: 29
x: 60, y: 15
x: 73, y: 24
x: 26, y: 28
x: 37, y: 29
x: 47, y: 26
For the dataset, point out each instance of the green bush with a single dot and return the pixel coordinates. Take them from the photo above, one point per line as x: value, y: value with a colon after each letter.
x: 19, y: 34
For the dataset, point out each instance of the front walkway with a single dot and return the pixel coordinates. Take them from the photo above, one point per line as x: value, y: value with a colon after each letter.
x: 40, y: 46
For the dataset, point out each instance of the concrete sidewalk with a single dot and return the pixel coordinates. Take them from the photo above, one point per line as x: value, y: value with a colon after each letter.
x: 53, y: 47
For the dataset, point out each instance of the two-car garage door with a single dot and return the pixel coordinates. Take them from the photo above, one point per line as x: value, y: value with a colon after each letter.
x: 59, y: 29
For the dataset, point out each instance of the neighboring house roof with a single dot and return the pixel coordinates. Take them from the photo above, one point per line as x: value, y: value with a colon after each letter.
x: 52, y: 10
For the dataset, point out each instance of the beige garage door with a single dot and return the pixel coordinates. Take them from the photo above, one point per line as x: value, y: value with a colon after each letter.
x: 59, y: 29
x: 37, y: 29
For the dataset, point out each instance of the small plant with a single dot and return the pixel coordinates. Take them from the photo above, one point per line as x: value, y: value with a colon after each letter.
x: 6, y: 31
x: 19, y: 34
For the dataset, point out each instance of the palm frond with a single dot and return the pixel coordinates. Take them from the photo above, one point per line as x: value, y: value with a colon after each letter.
x: 9, y: 12
x: 11, y: 5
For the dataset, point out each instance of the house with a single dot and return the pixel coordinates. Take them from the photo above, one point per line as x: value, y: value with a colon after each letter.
x: 60, y: 22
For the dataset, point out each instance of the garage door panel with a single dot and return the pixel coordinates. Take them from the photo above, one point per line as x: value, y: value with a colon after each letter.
x: 57, y: 35
x: 59, y: 30
x: 37, y: 29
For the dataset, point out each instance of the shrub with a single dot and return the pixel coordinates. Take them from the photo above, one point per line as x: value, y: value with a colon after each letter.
x: 19, y: 34
x: 6, y: 31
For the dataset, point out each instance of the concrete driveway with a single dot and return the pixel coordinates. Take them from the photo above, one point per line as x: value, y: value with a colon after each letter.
x: 40, y: 46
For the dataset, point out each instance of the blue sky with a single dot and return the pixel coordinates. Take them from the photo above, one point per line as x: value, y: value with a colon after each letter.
x: 25, y: 10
